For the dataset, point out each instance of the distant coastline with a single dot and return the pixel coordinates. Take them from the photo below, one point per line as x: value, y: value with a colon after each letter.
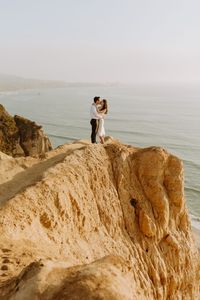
x: 10, y: 83
x: 14, y: 83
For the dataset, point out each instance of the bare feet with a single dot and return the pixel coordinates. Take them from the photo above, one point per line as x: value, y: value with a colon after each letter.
x: 101, y: 139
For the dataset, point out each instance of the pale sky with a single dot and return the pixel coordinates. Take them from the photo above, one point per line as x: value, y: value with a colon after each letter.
x: 101, y: 40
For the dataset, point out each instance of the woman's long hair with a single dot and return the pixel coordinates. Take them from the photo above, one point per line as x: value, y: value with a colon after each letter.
x: 104, y: 106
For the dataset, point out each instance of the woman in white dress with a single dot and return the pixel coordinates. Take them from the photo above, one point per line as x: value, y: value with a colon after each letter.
x: 101, y: 129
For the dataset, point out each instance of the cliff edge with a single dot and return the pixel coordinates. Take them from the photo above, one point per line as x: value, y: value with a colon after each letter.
x: 21, y: 137
x: 96, y: 222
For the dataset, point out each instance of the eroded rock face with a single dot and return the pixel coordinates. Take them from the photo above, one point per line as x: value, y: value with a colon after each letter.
x: 98, y: 222
x: 108, y: 278
x: 21, y: 137
x: 9, y: 134
x: 32, y: 139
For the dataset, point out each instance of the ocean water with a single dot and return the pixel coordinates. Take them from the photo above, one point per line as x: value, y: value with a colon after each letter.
x: 166, y: 116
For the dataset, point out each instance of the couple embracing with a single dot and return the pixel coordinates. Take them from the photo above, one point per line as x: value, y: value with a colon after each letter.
x: 97, y: 112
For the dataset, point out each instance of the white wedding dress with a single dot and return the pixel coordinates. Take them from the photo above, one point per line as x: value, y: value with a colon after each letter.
x: 101, y: 129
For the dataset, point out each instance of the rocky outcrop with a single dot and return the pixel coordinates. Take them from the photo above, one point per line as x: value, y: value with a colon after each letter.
x: 9, y: 135
x: 32, y: 139
x: 21, y: 137
x: 97, y: 222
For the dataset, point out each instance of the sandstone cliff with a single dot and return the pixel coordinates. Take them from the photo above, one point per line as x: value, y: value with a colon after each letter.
x: 21, y: 137
x: 96, y: 222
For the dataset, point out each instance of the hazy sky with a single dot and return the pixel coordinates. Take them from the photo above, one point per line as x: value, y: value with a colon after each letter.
x: 101, y: 40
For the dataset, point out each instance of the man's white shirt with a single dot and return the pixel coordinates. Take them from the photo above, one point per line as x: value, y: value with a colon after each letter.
x: 93, y: 113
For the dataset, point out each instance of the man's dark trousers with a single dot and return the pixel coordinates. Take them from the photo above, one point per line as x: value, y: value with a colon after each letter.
x: 94, y: 124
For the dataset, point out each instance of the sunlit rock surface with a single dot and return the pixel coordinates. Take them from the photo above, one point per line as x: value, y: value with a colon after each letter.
x: 96, y: 222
